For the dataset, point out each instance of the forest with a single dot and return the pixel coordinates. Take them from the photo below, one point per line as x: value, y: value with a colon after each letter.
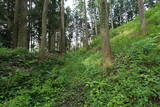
x: 79, y: 53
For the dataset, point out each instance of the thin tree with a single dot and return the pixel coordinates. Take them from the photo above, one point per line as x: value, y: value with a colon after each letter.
x: 141, y: 14
x: 43, y: 47
x: 104, y: 28
x: 62, y: 42
x: 15, y: 31
x: 86, y: 25
x: 30, y: 38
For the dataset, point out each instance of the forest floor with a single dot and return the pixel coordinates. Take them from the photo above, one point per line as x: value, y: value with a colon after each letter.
x: 78, y: 80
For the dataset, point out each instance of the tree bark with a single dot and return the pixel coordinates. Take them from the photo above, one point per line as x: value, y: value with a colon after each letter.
x: 22, y: 33
x: 106, y: 47
x: 10, y: 20
x: 15, y: 30
x: 112, y: 25
x: 30, y: 39
x: 95, y: 21
x: 20, y: 24
x: 86, y: 27
x: 62, y: 42
x: 43, y: 47
x: 141, y: 14
x: 53, y: 42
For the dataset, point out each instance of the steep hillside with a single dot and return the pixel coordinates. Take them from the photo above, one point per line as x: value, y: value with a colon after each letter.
x: 78, y: 79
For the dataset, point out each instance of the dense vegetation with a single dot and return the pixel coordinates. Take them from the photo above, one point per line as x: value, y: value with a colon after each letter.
x: 77, y: 79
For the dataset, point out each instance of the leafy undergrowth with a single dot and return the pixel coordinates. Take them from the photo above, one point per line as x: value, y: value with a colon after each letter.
x: 78, y: 80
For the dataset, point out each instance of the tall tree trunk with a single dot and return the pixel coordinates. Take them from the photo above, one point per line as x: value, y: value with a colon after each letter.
x: 112, y: 25
x: 39, y: 29
x: 86, y: 25
x: 43, y: 45
x: 51, y: 36
x: 22, y: 32
x: 76, y: 32
x: 142, y: 17
x: 53, y: 42
x: 49, y: 39
x: 10, y: 21
x: 20, y: 24
x: 62, y: 42
x: 104, y: 22
x: 96, y: 29
x: 30, y: 39
x: 95, y: 21
x: 15, y: 29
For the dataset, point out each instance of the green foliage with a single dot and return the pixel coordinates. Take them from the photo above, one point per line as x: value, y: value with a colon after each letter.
x: 120, y: 44
x: 19, y: 52
x: 1, y: 44
x: 13, y: 58
x: 77, y: 79
x: 134, y: 82
x: 96, y: 43
x: 26, y: 80
x: 129, y: 29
